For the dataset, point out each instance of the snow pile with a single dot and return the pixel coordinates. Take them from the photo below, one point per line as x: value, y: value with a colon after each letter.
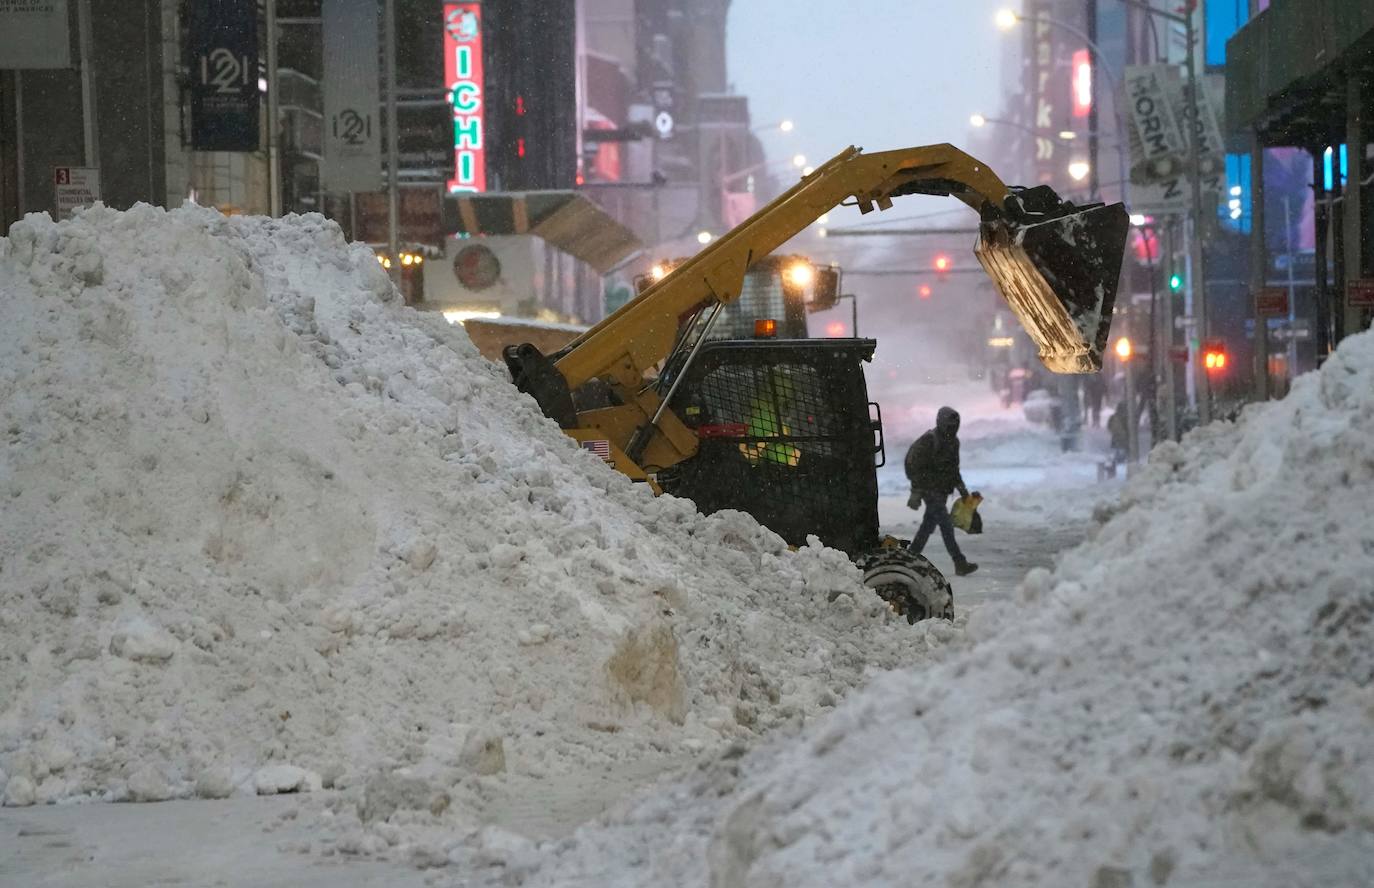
x: 266, y: 530
x: 1185, y: 700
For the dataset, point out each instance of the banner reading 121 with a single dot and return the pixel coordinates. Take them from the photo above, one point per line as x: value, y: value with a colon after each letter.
x: 224, y: 75
x: 352, y: 135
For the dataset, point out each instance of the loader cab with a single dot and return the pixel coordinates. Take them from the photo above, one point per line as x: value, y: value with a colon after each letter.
x: 782, y: 288
x: 787, y: 434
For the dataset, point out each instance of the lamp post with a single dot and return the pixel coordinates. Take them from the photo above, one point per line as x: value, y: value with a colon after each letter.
x: 1202, y: 383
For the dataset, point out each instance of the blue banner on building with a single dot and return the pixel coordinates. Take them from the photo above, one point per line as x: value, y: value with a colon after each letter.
x: 224, y: 75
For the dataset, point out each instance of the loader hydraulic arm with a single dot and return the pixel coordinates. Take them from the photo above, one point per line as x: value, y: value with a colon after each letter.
x: 621, y: 350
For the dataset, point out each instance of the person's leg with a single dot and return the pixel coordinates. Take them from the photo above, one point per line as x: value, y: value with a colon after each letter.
x: 926, y: 529
x: 940, y: 516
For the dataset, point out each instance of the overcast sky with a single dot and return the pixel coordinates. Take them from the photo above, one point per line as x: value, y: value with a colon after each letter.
x: 879, y: 74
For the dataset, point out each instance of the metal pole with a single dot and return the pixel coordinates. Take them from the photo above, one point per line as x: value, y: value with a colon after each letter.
x: 1292, y: 293
x: 88, y: 104
x: 1166, y: 324
x: 1352, y: 256
x: 1132, y: 415
x: 273, y: 149
x: 854, y: 300
x: 1259, y: 262
x: 19, y: 205
x: 1197, y: 273
x: 1094, y: 179
x: 1319, y: 222
x: 393, y: 205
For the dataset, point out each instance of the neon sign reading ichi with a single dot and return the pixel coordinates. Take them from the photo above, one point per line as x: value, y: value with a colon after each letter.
x: 463, y: 77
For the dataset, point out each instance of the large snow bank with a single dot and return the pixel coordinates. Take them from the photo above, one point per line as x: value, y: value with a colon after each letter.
x: 1185, y: 700
x: 265, y: 529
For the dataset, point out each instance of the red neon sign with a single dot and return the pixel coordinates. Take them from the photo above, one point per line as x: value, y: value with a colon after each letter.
x: 463, y: 79
x: 1082, y: 83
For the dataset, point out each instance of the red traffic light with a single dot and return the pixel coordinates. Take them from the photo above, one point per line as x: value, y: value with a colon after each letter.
x: 942, y: 262
x: 1214, y: 355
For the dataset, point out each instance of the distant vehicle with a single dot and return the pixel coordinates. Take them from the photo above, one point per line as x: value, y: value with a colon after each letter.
x: 1041, y: 407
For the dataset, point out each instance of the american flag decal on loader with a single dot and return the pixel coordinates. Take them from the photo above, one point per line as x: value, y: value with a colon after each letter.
x: 601, y: 448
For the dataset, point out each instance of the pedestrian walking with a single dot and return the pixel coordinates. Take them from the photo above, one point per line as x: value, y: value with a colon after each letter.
x: 932, y: 467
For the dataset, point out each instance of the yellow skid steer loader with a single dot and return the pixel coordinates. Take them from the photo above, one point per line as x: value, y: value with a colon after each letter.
x: 784, y: 429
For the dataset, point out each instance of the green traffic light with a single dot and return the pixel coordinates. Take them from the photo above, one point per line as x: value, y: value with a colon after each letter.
x: 1175, y: 282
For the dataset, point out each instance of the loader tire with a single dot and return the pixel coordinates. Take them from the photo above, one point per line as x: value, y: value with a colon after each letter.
x: 912, y: 586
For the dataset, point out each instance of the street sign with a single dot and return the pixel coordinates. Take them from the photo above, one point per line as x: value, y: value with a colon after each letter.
x: 1164, y: 198
x: 663, y: 122
x: 1298, y: 329
x: 34, y: 35
x: 1360, y: 294
x: 74, y: 187
x: 352, y: 155
x: 1271, y: 302
x: 1158, y: 144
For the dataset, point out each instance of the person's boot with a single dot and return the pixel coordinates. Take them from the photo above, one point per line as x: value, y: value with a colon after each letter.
x: 963, y: 567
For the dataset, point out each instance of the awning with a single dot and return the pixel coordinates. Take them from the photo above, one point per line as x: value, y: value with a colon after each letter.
x: 1287, y: 68
x: 565, y: 219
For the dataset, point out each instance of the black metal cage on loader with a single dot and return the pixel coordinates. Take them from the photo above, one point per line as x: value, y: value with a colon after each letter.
x: 788, y: 434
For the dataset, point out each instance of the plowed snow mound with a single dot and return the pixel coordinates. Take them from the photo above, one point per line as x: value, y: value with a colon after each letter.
x: 263, y: 528
x: 1185, y: 700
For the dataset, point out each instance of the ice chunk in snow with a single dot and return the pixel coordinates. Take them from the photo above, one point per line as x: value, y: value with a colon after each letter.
x: 138, y: 639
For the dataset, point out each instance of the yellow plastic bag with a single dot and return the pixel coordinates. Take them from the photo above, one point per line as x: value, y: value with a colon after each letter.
x: 965, y: 513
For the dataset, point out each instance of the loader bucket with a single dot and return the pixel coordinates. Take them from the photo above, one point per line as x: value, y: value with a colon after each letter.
x: 1060, y: 277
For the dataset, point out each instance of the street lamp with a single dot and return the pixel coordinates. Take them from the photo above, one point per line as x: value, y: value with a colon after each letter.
x: 703, y: 237
x: 785, y: 126
x: 1006, y: 19
x: 982, y: 120
x: 1079, y: 170
x: 799, y: 160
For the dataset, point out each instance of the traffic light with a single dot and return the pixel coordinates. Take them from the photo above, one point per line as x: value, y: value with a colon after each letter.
x: 1123, y: 348
x: 1175, y: 282
x: 1214, y: 355
x: 942, y: 264
x: 923, y: 291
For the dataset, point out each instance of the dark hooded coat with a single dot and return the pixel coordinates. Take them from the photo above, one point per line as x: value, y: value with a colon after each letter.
x: 932, y: 463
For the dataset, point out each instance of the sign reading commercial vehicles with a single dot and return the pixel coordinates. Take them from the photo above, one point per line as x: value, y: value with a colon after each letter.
x: 73, y: 188
x: 33, y: 34
x: 463, y: 80
x: 352, y: 137
x: 224, y: 75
